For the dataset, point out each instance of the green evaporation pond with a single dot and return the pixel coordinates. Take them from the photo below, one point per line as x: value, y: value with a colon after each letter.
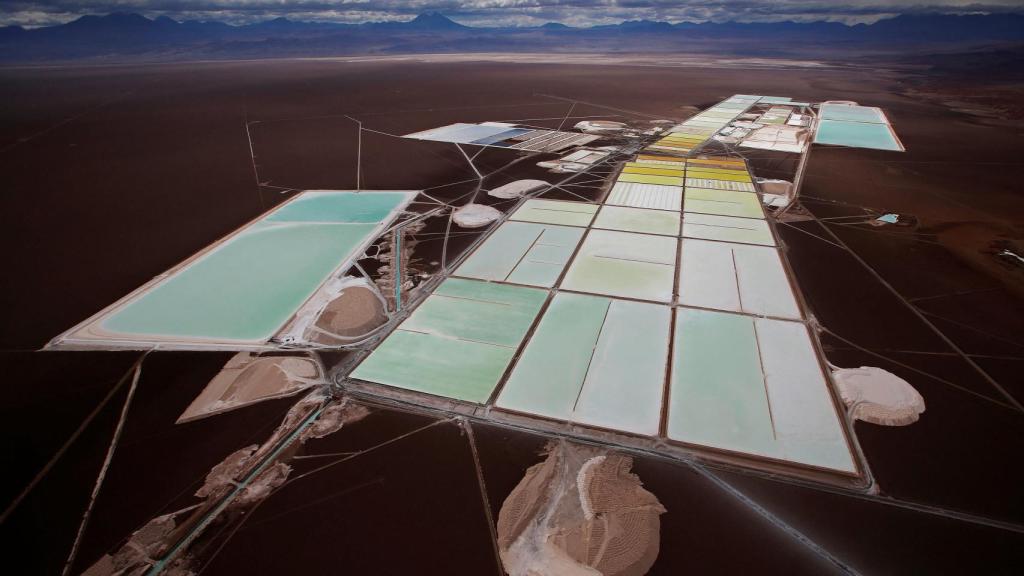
x: 247, y: 288
x: 354, y: 207
x: 624, y: 264
x: 548, y: 377
x: 718, y: 395
x: 555, y: 212
x: 723, y: 203
x: 446, y: 367
x: 639, y: 220
x: 458, y: 342
x: 727, y: 229
x: 596, y: 361
x: 497, y: 314
x: 856, y: 135
x: 523, y: 253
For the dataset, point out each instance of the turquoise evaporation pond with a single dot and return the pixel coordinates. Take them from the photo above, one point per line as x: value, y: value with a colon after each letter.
x: 352, y: 207
x: 856, y: 134
x: 852, y: 113
x: 249, y: 286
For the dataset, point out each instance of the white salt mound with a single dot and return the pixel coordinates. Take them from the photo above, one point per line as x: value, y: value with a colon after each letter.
x: 877, y: 396
x: 475, y: 215
x: 518, y: 188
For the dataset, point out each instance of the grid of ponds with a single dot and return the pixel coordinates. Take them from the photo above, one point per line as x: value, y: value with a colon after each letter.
x: 665, y: 311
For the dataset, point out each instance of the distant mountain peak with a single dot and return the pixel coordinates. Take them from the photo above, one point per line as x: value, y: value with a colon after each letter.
x: 112, y: 20
x: 279, y: 22
x: 645, y: 24
x: 434, y: 20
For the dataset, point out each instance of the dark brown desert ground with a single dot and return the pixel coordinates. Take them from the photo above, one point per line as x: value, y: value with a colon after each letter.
x: 113, y: 174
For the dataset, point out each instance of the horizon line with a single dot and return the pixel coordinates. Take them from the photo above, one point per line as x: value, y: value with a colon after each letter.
x: 153, y: 17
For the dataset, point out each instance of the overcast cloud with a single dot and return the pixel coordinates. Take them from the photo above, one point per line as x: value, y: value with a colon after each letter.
x: 494, y: 12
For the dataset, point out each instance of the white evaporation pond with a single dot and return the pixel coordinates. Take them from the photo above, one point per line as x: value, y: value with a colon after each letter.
x: 596, y: 361
x: 735, y: 277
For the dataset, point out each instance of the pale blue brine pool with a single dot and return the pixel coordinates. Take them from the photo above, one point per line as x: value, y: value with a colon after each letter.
x: 852, y: 113
x: 341, y: 207
x: 857, y: 135
x: 248, y: 287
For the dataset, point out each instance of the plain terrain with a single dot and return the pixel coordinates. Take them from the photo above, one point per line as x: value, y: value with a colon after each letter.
x: 111, y: 175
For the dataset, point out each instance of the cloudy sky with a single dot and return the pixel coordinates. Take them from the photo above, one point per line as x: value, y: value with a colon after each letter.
x: 494, y: 12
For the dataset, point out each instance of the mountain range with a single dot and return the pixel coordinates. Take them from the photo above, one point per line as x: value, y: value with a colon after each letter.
x: 133, y: 37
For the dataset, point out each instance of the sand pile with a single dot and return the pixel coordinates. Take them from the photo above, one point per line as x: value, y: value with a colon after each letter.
x: 580, y: 512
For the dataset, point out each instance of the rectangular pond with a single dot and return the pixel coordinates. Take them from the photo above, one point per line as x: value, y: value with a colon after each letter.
x: 523, y: 253
x: 646, y: 196
x: 735, y: 277
x: 727, y: 229
x: 555, y: 212
x: 722, y: 202
x: 612, y: 263
x: 596, y: 361
x: 857, y: 135
x: 753, y: 386
x: 458, y: 342
x: 243, y: 289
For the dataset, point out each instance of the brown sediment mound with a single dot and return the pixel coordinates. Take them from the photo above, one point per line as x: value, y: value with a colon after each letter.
x: 137, y: 554
x: 524, y: 503
x: 270, y: 376
x: 334, y: 417
x: 263, y: 485
x: 355, y: 312
x: 246, y: 379
x: 624, y: 531
x: 409, y: 266
x: 580, y: 512
x: 160, y: 534
x: 224, y: 473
